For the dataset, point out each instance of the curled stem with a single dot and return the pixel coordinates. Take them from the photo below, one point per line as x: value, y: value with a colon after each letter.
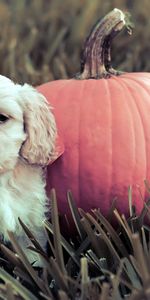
x: 96, y: 56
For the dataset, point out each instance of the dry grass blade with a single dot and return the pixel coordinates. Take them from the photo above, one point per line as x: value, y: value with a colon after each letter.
x: 57, y: 235
x: 57, y: 274
x: 135, y: 265
x: 63, y: 295
x: 64, y: 243
x: 98, y: 262
x: 148, y: 210
x: 11, y: 256
x: 75, y: 215
x: 26, y: 263
x: 83, y: 246
x: 32, y: 238
x: 144, y: 212
x: 3, y: 293
x: 105, y: 291
x: 113, y: 234
x: 46, y: 297
x: 134, y: 226
x: 140, y: 258
x: 23, y: 275
x: 132, y: 274
x: 130, y: 201
x: 16, y: 285
x: 91, y: 235
x: 47, y: 231
x: 45, y: 277
x: 84, y: 278
x: 104, y: 236
x: 9, y: 291
x: 125, y: 226
x: 15, y: 260
x: 84, y: 271
x: 145, y: 246
x: 111, y: 210
x: 116, y: 281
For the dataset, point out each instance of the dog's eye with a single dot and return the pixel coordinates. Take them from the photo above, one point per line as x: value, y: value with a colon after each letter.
x: 3, y: 118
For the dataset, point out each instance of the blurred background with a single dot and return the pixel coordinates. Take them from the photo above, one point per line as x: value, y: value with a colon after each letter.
x: 41, y: 40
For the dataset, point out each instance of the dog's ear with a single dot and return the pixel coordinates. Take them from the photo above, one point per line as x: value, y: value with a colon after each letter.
x: 40, y: 127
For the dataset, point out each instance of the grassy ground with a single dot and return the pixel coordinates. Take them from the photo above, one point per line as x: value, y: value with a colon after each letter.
x: 96, y: 263
x: 41, y: 40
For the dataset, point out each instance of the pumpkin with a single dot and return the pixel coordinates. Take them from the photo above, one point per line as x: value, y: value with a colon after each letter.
x: 103, y: 118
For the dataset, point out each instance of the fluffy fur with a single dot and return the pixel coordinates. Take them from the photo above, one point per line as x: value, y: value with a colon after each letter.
x: 27, y: 135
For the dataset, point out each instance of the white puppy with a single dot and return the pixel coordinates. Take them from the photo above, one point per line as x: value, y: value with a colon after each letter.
x: 27, y: 141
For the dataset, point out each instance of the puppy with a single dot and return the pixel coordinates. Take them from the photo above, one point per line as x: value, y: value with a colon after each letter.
x: 27, y: 144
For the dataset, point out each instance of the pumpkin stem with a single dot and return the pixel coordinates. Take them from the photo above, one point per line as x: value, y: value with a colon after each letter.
x: 96, y: 56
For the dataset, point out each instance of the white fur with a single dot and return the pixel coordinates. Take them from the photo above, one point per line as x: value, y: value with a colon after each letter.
x: 27, y: 142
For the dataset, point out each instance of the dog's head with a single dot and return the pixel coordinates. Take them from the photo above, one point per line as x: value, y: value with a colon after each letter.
x: 27, y: 126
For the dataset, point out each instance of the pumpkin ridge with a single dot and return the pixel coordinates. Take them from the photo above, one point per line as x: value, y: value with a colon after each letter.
x: 130, y: 113
x: 79, y: 139
x: 142, y: 126
x: 88, y: 102
x: 78, y: 183
x: 131, y: 76
x: 111, y: 138
x: 118, y: 166
x: 60, y: 91
x: 139, y: 83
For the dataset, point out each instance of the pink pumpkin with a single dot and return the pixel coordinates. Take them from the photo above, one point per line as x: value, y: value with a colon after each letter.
x: 104, y: 122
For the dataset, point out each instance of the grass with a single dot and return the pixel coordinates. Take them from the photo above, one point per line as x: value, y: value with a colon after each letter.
x: 41, y: 41
x: 97, y: 263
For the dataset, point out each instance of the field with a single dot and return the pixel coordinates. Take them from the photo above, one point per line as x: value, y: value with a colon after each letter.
x: 40, y: 41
